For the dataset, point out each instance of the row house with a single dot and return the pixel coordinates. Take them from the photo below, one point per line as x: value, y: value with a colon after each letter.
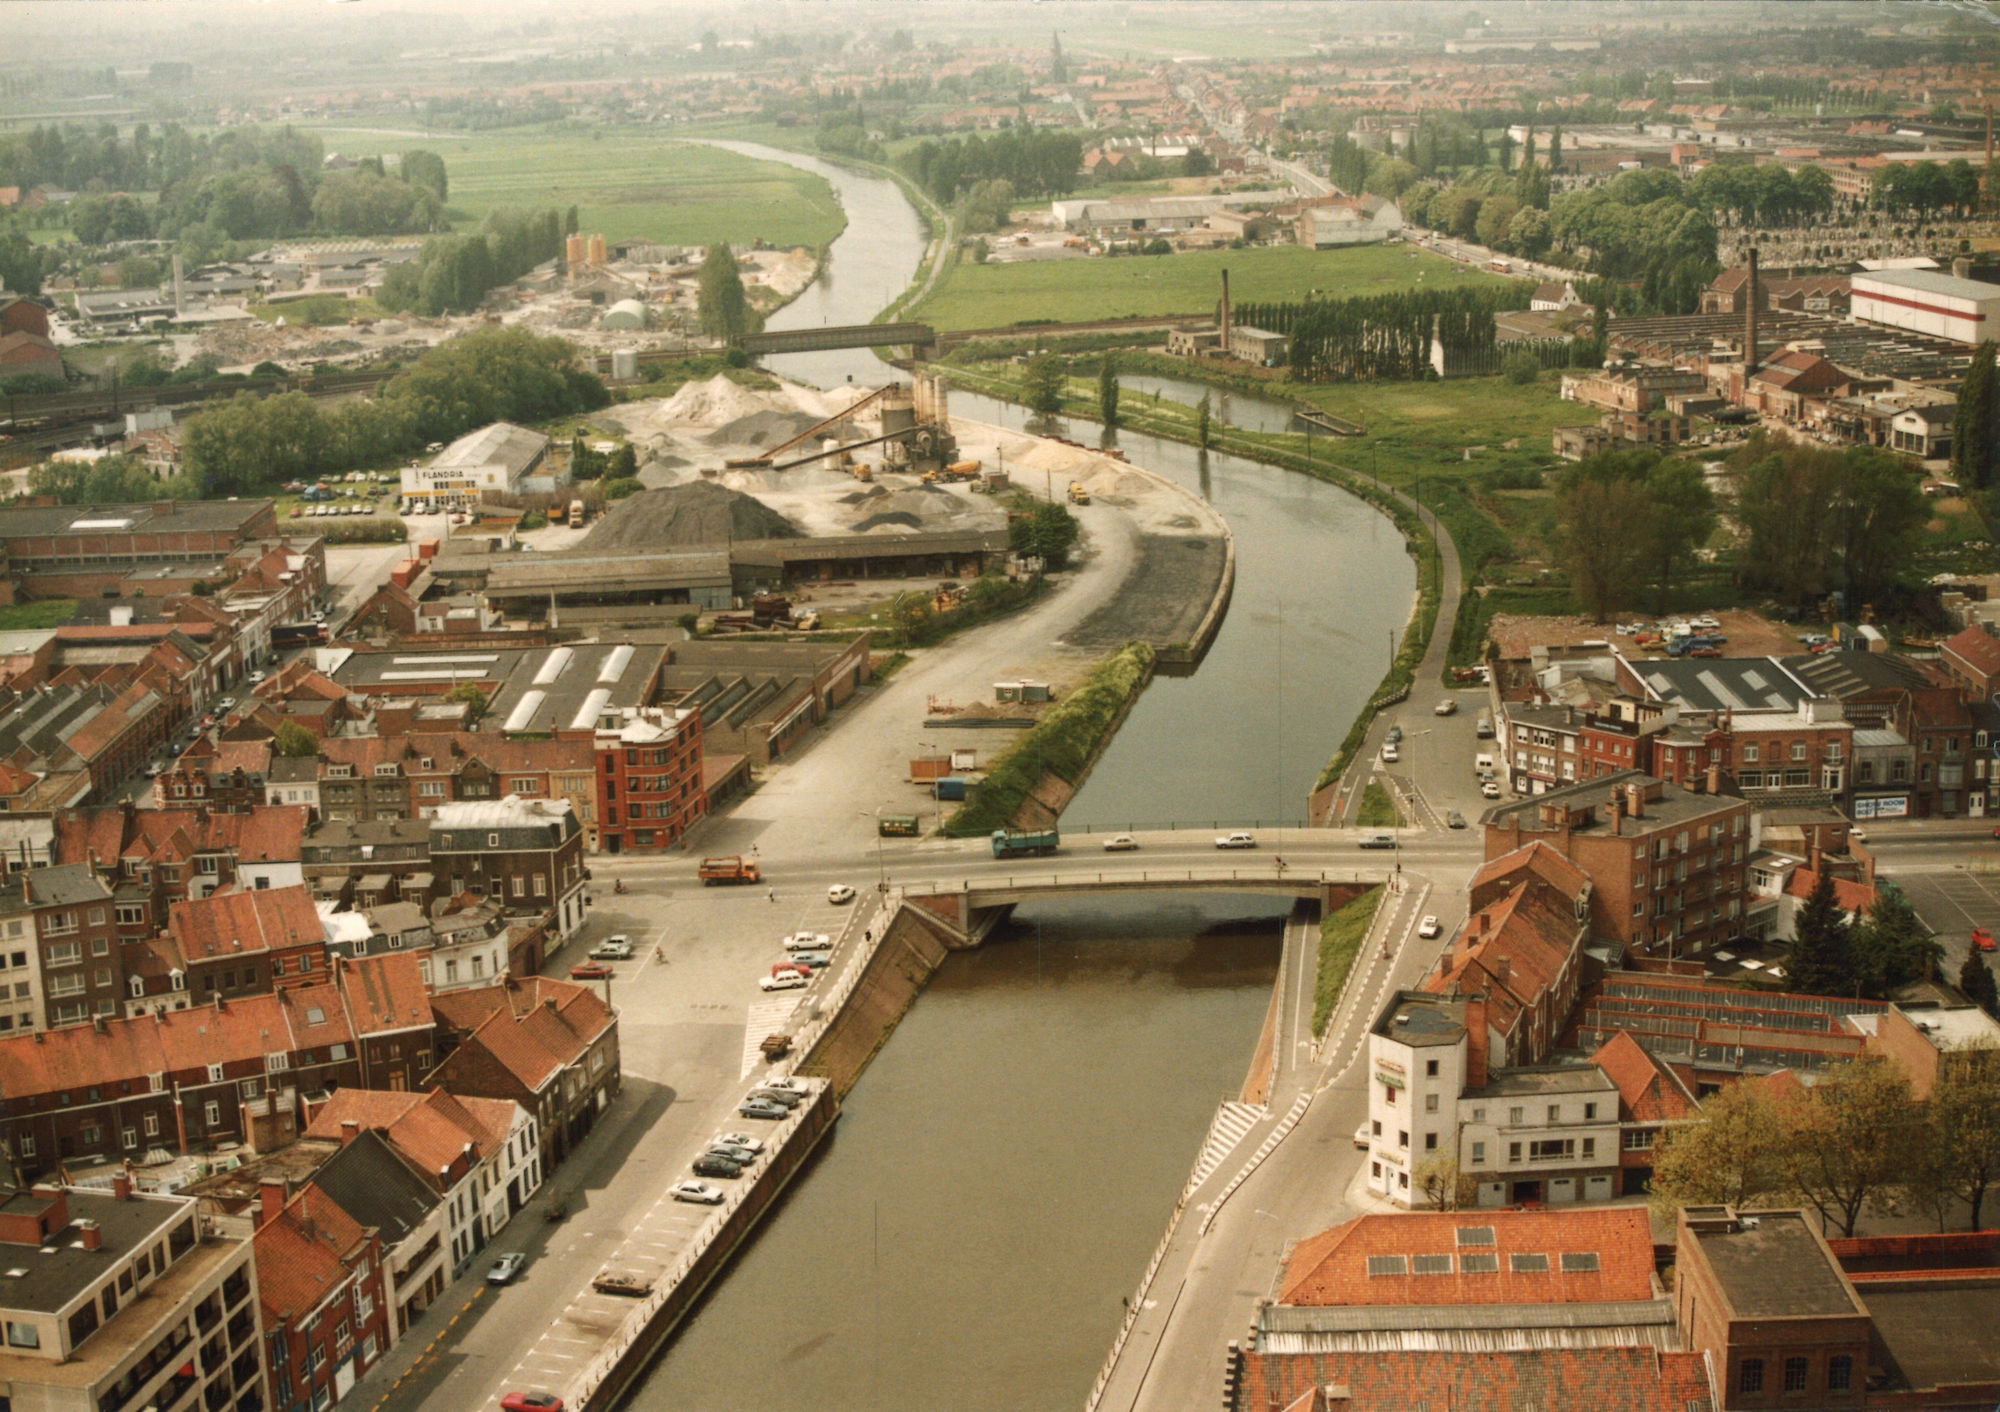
x: 1666, y: 864
x: 178, y: 1081
x: 367, y: 862
x: 463, y: 941
x: 410, y: 776
x: 228, y: 777
x: 376, y: 1185
x: 321, y: 1286
x: 1652, y: 1098
x: 481, y: 1155
x: 649, y: 780
x: 91, y: 736
x: 156, y: 857
x: 231, y: 944
x: 20, y: 959
x: 122, y: 1300
x: 522, y: 854
x: 79, y: 952
x: 548, y: 1045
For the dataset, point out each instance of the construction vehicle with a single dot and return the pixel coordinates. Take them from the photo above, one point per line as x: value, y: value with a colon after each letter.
x: 1019, y: 843
x: 576, y: 514
x: 714, y: 871
x: 1077, y: 494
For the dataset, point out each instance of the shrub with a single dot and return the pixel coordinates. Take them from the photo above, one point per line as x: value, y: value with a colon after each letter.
x: 1521, y: 368
x: 619, y: 489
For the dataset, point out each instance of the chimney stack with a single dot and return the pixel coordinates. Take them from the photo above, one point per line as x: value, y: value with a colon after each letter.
x: 121, y: 1183
x: 271, y: 1194
x: 92, y: 1235
x: 1714, y: 777
x: 349, y: 1130
x: 1750, y: 325
x: 1635, y: 801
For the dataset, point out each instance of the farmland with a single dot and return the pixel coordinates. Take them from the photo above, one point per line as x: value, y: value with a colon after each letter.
x: 1069, y: 291
x: 627, y: 183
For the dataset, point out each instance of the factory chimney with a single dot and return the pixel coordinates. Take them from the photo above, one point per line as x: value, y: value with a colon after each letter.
x: 1750, y: 293
x: 1223, y: 322
x: 178, y: 310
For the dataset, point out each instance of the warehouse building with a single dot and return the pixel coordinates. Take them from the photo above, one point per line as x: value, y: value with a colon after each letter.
x: 1925, y: 301
x: 500, y: 457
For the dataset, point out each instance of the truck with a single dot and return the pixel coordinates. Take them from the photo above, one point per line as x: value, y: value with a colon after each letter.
x: 897, y: 826
x: 576, y: 514
x: 1018, y: 843
x: 297, y: 634
x: 731, y: 869
x: 1077, y: 494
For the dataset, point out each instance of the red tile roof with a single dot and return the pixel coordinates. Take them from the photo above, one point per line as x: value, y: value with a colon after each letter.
x: 384, y: 993
x: 297, y: 1267
x: 1648, y: 1091
x: 234, y: 923
x: 1541, y: 1380
x: 433, y: 1130
x: 1978, y: 649
x: 1332, y: 1268
x: 1851, y: 897
x: 532, y: 1027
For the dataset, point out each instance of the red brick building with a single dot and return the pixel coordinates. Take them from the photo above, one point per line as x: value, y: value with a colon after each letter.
x: 320, y: 1283
x: 649, y: 781
x: 1666, y: 864
x: 550, y: 1046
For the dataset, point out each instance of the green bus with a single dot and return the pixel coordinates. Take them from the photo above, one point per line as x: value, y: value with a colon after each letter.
x: 897, y: 825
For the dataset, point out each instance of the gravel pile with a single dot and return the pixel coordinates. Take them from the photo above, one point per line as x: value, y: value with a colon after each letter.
x: 681, y: 516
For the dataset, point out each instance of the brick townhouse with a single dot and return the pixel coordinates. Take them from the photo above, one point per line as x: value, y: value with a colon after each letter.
x: 232, y: 944
x: 548, y: 1045
x: 410, y: 776
x: 320, y: 1283
x: 649, y: 780
x: 81, y: 958
x: 524, y: 854
x: 1666, y: 864
x: 156, y: 857
x: 231, y: 1071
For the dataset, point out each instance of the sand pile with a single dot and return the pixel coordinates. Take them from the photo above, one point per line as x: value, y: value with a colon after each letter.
x: 712, y: 404
x: 681, y: 516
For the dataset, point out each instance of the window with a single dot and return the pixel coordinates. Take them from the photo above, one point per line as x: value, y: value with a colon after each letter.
x: 211, y: 1113
x: 1749, y: 754
x: 541, y: 885
x: 1528, y: 1263
x: 1430, y: 1103
x: 1513, y: 1152
x: 1590, y: 1112
x: 23, y: 1335
x: 215, y: 1073
x: 1750, y: 1377
x: 1839, y: 1373
x: 1479, y: 1154
x: 520, y: 885
x: 1555, y: 1113
x: 1589, y: 1148
x: 1795, y: 1375
x: 1516, y: 1116
x: 1430, y: 1142
x: 1430, y: 1068
x: 1639, y: 1140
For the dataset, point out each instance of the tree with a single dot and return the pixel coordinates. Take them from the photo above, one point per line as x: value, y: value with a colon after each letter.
x: 1443, y: 1186
x: 1522, y: 368
x: 1891, y: 946
x: 1496, y: 218
x: 1680, y: 520
x: 1846, y: 1139
x: 1042, y: 386
x: 1819, y: 960
x: 295, y: 742
x: 1528, y: 234
x: 1201, y: 420
x: 1729, y: 1156
x: 1956, y: 1155
x: 623, y: 463
x: 1975, y: 978
x: 473, y: 698
x: 1197, y: 163
x: 1975, y: 427
x: 1597, y: 511
x: 1107, y: 390
x: 426, y: 169
x: 1049, y: 532
x: 722, y: 308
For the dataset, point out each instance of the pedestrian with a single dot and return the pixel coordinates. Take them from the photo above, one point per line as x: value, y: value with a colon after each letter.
x: 774, y: 894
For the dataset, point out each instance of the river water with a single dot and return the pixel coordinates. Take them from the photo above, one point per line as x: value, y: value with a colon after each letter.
x: 1000, y: 1175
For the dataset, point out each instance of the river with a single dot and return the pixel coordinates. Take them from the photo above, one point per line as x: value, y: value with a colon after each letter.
x: 1003, y: 1170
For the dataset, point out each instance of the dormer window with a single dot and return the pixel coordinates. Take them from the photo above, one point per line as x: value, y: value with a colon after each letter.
x: 385, y: 771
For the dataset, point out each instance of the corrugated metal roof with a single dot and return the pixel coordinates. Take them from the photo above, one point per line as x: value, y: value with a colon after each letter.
x: 1665, y: 1338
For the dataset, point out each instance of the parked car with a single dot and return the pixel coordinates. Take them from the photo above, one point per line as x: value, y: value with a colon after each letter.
x: 812, y: 960
x: 505, y: 1268
x: 741, y: 1156
x: 1446, y: 707
x: 1982, y: 938
x: 1120, y: 843
x: 783, y: 1097
x: 153, y: 770
x: 792, y: 968
x: 1236, y: 840
x: 783, y: 980
x: 754, y: 1107
x: 709, y: 1165
x: 590, y: 971
x: 1395, y: 735
x: 1390, y: 754
x: 808, y: 941
x: 840, y: 894
x: 699, y: 1192
x: 612, y: 948
x: 532, y: 1402
x: 1361, y: 1136
x: 1453, y: 819
x: 1490, y: 789
x: 1428, y: 928
x: 785, y: 1083
x: 742, y: 1140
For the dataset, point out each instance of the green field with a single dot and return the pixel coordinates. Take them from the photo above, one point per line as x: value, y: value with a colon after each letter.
x: 1075, y: 291
x: 627, y: 183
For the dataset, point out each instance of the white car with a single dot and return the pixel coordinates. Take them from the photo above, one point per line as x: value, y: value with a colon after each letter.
x: 784, y: 980
x: 1446, y: 707
x: 1390, y: 754
x: 840, y: 894
x: 740, y: 1140
x: 1237, y: 840
x: 699, y: 1192
x: 807, y: 941
x: 786, y: 1084
x: 1120, y: 843
x: 1428, y: 928
x: 1361, y: 1136
x: 1490, y: 790
x: 612, y: 948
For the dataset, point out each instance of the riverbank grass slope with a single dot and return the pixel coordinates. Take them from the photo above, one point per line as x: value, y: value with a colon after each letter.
x: 1340, y: 938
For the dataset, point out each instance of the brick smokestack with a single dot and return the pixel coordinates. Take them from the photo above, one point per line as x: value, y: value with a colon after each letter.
x: 349, y: 1130
x: 271, y: 1193
x: 1750, y: 324
x: 1223, y: 321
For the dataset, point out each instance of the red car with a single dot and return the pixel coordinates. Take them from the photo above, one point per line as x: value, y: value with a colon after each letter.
x: 1982, y: 938
x: 796, y: 968
x: 532, y: 1402
x: 591, y: 971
